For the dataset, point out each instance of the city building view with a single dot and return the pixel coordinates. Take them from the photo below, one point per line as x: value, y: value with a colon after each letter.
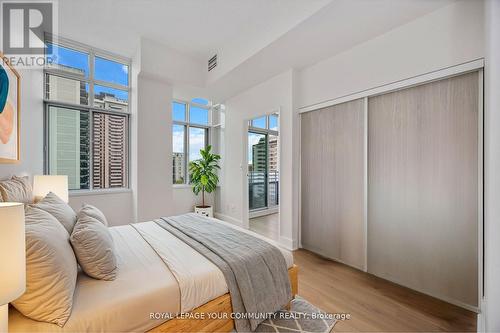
x: 179, y: 167
x: 263, y: 170
x: 82, y: 142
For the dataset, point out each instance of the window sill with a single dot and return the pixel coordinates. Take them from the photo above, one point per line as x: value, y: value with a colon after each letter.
x: 81, y: 193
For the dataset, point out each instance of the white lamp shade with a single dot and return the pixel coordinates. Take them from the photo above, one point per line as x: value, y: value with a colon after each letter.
x: 12, y: 252
x: 58, y: 185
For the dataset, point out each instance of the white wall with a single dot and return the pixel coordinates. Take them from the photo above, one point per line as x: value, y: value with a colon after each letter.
x: 31, y: 127
x: 492, y: 165
x: 448, y: 36
x: 163, y: 62
x: 265, y: 98
x: 117, y: 207
x: 154, y: 149
x: 184, y: 199
x: 165, y: 74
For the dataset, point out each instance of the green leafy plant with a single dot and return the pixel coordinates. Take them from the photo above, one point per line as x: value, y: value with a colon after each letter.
x: 203, y: 173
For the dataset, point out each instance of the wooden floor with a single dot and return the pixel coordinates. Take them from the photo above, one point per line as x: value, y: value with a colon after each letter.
x: 374, y: 304
x: 268, y: 225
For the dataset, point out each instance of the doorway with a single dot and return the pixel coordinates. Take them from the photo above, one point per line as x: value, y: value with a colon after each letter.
x: 263, y: 175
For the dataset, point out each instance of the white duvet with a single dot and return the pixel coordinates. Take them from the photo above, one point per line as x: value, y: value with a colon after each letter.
x: 157, y: 274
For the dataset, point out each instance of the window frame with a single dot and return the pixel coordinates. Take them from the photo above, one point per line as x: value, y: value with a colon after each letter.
x: 267, y: 128
x: 187, y: 125
x: 90, y: 108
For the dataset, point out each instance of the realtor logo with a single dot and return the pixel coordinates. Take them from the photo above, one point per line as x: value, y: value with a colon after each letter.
x: 24, y: 25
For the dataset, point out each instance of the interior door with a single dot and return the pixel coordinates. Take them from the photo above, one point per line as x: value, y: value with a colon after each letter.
x: 332, y: 182
x: 423, y: 188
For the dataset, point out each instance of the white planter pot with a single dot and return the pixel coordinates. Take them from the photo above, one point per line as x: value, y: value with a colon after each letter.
x: 205, y: 211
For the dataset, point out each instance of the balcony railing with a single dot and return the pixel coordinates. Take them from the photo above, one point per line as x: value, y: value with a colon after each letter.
x: 263, y: 189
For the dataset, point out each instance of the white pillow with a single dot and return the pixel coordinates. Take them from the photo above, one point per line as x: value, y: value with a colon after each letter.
x: 94, y: 248
x: 92, y: 211
x: 51, y: 270
x: 59, y: 209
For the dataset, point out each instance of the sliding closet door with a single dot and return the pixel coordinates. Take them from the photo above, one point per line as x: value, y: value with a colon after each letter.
x: 332, y: 145
x: 423, y: 188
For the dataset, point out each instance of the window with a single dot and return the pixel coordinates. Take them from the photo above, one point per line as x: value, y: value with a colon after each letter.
x: 86, y: 116
x: 197, y: 141
x: 259, y: 122
x: 270, y: 122
x: 191, y: 122
x: 273, y: 122
x: 179, y: 111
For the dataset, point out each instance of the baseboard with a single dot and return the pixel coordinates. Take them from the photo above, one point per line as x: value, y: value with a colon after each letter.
x: 229, y: 219
x: 287, y: 243
x: 481, y: 317
x: 432, y: 294
x: 263, y: 212
x: 326, y: 256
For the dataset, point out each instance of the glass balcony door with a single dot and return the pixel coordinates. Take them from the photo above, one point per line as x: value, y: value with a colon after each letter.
x: 257, y: 170
x: 263, y: 164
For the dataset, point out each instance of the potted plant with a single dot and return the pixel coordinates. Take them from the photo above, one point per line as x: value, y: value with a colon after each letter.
x: 203, y: 176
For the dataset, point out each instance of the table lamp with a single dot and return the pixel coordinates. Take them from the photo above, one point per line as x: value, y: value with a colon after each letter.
x: 43, y: 184
x: 12, y: 257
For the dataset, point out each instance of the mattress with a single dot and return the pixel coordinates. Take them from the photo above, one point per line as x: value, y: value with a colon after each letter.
x: 157, y: 274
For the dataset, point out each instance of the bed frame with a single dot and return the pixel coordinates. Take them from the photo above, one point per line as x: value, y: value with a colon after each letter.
x: 220, y: 305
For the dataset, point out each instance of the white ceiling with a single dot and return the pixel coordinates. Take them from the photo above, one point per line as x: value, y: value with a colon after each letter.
x: 197, y: 28
x: 337, y: 27
x: 255, y: 39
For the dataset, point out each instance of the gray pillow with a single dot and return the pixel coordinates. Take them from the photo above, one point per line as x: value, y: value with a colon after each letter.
x: 17, y: 189
x: 94, y: 248
x: 92, y: 211
x: 51, y: 270
x: 59, y: 209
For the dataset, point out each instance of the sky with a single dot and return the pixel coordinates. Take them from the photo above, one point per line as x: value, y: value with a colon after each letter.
x: 196, y: 141
x: 196, y: 135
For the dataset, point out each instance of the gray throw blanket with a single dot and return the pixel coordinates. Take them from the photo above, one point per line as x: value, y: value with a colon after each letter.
x: 255, y: 271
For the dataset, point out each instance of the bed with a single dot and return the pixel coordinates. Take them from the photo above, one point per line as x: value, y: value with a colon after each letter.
x: 159, y: 276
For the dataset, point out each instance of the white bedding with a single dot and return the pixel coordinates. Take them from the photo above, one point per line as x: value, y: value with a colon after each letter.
x: 200, y: 281
x: 161, y: 275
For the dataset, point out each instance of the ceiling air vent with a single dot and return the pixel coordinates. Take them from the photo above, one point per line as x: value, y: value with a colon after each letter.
x: 212, y: 63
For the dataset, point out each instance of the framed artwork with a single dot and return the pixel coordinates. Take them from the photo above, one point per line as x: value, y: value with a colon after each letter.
x: 9, y: 112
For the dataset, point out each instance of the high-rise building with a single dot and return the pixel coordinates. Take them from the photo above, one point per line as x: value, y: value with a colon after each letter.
x: 64, y: 89
x: 259, y: 156
x: 69, y: 141
x: 264, y: 173
x: 109, y: 151
x: 109, y: 101
x: 178, y: 168
x: 273, y: 154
